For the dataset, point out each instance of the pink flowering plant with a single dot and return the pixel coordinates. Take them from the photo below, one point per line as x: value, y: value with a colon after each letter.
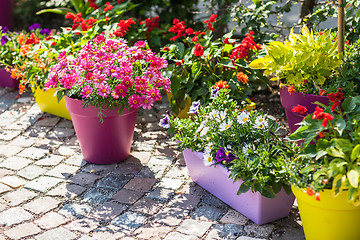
x: 108, y: 73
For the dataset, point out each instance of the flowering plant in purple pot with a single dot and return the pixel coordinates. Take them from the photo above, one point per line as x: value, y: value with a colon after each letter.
x: 242, y: 140
x: 106, y: 73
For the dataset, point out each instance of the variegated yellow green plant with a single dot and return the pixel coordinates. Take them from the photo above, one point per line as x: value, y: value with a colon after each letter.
x: 305, y: 60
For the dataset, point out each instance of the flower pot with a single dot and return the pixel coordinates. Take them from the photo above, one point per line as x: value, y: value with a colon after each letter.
x: 48, y: 103
x: 6, y: 13
x: 6, y: 81
x: 331, y: 218
x: 253, y: 205
x: 288, y: 101
x: 183, y: 112
x: 104, y: 142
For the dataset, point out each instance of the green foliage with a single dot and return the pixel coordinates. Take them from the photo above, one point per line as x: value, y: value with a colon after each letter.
x: 305, y: 60
x: 244, y: 142
x: 331, y: 161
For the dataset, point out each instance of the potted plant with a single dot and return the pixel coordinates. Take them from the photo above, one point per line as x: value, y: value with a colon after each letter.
x: 325, y: 175
x: 303, y: 64
x: 236, y: 155
x: 104, y: 85
x: 197, y: 61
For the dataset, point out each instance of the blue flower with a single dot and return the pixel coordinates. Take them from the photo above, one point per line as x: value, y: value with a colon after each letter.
x: 221, y: 155
x: 34, y: 26
x: 215, y: 92
x: 4, y: 39
x: 194, y: 108
x: 165, y: 122
x: 45, y: 31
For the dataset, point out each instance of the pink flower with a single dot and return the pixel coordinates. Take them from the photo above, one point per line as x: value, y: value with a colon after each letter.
x: 141, y: 88
x: 146, y: 102
x: 119, y: 91
x: 127, y: 81
x: 99, y: 39
x: 134, y: 101
x: 151, y: 75
x: 104, y: 90
x: 140, y: 44
x: 154, y: 93
x: 86, y: 91
x: 141, y: 80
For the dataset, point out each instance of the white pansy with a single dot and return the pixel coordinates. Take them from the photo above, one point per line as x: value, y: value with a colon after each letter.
x: 243, y: 117
x: 261, y: 122
x: 225, y: 125
x: 207, y: 159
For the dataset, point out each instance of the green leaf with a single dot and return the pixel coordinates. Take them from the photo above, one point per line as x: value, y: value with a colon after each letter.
x: 196, y: 70
x: 353, y: 177
x: 61, y: 11
x: 277, y: 187
x: 335, y: 152
x: 268, y: 192
x: 348, y: 105
x: 339, y: 125
x: 179, y: 50
x: 355, y: 153
x: 243, y: 188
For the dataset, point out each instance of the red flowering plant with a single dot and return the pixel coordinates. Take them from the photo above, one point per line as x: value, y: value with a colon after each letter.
x: 330, y: 153
x: 198, y: 62
x: 108, y: 73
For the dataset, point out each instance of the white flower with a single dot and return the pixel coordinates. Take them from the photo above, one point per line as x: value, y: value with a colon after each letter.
x: 225, y: 125
x: 207, y: 159
x: 208, y: 148
x: 204, y: 131
x: 221, y: 116
x: 214, y: 113
x: 202, y: 126
x: 243, y: 117
x: 261, y: 122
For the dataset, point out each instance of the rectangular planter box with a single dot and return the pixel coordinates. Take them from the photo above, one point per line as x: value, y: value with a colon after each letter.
x: 6, y: 81
x: 254, y: 206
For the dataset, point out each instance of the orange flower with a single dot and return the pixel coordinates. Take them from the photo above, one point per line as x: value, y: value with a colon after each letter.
x: 221, y: 84
x: 310, y: 192
x: 20, y: 38
x: 242, y: 77
x: 322, y: 92
x: 321, y: 134
x: 21, y: 88
x: 291, y: 89
x: 317, y: 196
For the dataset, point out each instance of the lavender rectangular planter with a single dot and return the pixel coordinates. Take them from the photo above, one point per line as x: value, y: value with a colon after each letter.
x: 254, y: 206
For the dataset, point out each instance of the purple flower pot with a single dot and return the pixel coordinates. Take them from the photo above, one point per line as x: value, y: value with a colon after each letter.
x: 6, y: 13
x: 102, y: 143
x: 288, y: 101
x: 7, y: 81
x: 253, y: 205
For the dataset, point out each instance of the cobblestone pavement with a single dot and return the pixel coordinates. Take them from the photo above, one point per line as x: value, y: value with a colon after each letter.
x: 47, y: 191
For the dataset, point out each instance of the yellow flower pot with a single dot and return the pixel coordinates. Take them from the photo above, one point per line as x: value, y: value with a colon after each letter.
x: 48, y: 103
x: 331, y: 218
x: 183, y: 113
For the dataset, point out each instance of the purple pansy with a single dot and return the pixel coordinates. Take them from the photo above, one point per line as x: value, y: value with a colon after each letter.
x: 4, y: 39
x: 221, y: 155
x: 34, y: 26
x: 45, y: 31
x: 194, y: 107
x: 164, y: 122
x: 4, y: 29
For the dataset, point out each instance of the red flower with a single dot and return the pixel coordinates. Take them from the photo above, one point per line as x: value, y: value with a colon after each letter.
x: 123, y: 27
x: 221, y: 84
x: 319, y: 114
x: 322, y: 92
x: 299, y: 109
x: 198, y: 50
x: 243, y: 50
x: 291, y: 89
x: 317, y: 196
x: 108, y: 7
x: 189, y: 31
x: 211, y: 27
x: 213, y: 18
x: 321, y: 134
x: 310, y: 192
x: 226, y: 41
x: 195, y: 39
x: 178, y: 28
x: 70, y: 15
x: 166, y: 49
x: 92, y: 4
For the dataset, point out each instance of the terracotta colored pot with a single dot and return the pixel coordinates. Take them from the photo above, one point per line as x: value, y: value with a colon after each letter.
x: 288, y: 101
x: 104, y: 142
x: 253, y: 205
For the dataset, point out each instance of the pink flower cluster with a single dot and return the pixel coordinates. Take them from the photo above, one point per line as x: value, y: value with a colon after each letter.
x: 109, y: 70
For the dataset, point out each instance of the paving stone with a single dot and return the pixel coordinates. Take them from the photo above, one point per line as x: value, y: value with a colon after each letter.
x: 156, y: 170
x: 51, y: 160
x: 64, y: 123
x: 146, y: 146
x: 31, y: 172
x: 60, y: 132
x: 171, y: 216
x: 288, y: 233
x: 33, y: 153
x: 234, y: 217
x: 140, y: 184
x: 108, y: 211
x: 161, y: 160
x: 76, y: 160
x: 83, y: 178
x: 51, y: 220
x: 9, y: 150
x: 185, y: 201
x: 66, y: 150
x: 43, y: 184
x: 5, y: 172
x: 139, y: 158
x: 13, y: 216
x: 84, y: 225
x: 23, y: 141
x: 178, y: 172
x: 21, y: 124
x: 262, y: 231
x: 159, y: 135
x: 160, y: 194
x: 177, y: 236
x: 108, y: 232
x: 57, y: 234
x: 213, y: 200
x: 128, y: 169
x: 152, y: 232
x: 13, y: 181
x: 248, y: 238
x: 224, y: 231
x: 19, y: 196
x: 47, y: 121
x: 4, y: 188
x: 127, y: 196
x: 113, y: 181
x: 15, y: 163
x: 170, y: 183
x: 129, y: 220
x: 67, y: 190
x: 207, y: 212
x: 99, y: 169
x: 193, y: 227
x: 96, y: 196
x: 22, y: 231
x: 7, y: 135
x: 41, y: 205
x: 146, y: 206
x: 180, y: 160
x: 48, y: 144
x: 62, y: 171
x: 75, y: 210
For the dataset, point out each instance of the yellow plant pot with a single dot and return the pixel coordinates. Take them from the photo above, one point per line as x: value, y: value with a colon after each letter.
x: 331, y: 218
x: 48, y: 103
x: 183, y: 113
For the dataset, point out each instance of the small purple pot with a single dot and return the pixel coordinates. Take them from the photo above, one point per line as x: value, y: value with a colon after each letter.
x: 253, y: 205
x: 6, y: 13
x: 288, y: 101
x: 102, y: 143
x: 7, y: 81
